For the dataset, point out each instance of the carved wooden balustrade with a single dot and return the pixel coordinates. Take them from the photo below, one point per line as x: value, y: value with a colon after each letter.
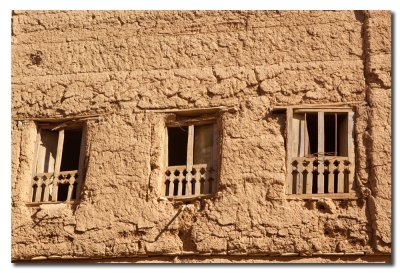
x: 182, y: 183
x: 50, y: 187
x: 330, y: 174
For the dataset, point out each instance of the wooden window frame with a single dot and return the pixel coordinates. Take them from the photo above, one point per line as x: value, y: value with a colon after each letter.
x: 192, y: 122
x: 340, y: 194
x: 61, y: 176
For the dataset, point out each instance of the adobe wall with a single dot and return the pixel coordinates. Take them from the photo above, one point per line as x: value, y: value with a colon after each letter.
x: 120, y: 66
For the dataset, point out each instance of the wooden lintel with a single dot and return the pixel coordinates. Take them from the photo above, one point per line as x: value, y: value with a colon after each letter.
x: 191, y: 121
x: 194, y: 111
x: 59, y: 119
x: 333, y: 105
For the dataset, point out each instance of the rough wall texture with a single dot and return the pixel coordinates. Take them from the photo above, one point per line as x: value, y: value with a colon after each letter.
x: 119, y: 65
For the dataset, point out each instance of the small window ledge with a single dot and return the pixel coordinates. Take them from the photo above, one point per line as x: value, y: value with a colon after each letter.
x: 347, y: 196
x: 37, y: 204
x: 185, y: 198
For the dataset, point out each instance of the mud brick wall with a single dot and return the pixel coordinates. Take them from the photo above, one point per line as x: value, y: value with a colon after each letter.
x: 120, y: 66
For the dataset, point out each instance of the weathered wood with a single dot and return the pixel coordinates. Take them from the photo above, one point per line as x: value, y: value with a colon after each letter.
x: 340, y: 177
x: 300, y: 169
x: 203, y: 144
x: 324, y: 110
x: 34, y: 167
x: 70, y: 187
x: 47, y: 151
x: 171, y: 187
x: 46, y: 190
x: 215, y: 157
x: 296, y: 136
x: 289, y: 143
x: 55, y: 119
x: 321, y: 150
x: 197, y: 185
x: 81, y: 165
x: 54, y: 193
x: 193, y: 112
x: 308, y: 177
x: 350, y: 144
x: 203, y: 151
x: 38, y: 190
x: 60, y: 145
x: 316, y: 196
x: 181, y: 177
x: 191, y: 121
x: 331, y: 177
x: 322, y: 106
x: 38, y: 141
x: 190, y: 148
x: 343, y: 149
x: 189, y: 198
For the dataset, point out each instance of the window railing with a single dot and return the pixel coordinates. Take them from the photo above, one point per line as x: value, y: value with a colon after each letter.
x: 181, y: 182
x: 51, y: 187
x: 331, y: 174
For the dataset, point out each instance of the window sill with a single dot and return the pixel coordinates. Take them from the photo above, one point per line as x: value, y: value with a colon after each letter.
x: 186, y: 198
x: 347, y: 196
x: 37, y: 204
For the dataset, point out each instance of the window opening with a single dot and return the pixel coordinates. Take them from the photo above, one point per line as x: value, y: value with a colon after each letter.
x: 56, y: 172
x: 71, y: 150
x: 177, y: 142
x: 191, y: 157
x: 321, y: 151
x: 312, y: 132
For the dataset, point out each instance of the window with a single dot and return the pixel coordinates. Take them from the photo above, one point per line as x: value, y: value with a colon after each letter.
x: 191, y: 159
x: 320, y: 151
x: 57, y: 171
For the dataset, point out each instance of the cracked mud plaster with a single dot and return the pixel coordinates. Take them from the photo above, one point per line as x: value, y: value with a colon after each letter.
x: 117, y: 64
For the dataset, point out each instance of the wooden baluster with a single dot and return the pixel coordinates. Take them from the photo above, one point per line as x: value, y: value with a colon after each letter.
x: 39, y: 189
x: 197, y: 183
x: 181, y: 177
x: 34, y: 193
x: 340, y: 177
x: 294, y: 177
x: 54, y: 194
x: 308, y: 176
x: 331, y: 177
x: 347, y: 185
x: 47, y: 183
x: 299, y: 179
x: 172, y: 183
x: 171, y: 188
x: 164, y: 187
x: 71, y: 181
x: 188, y: 178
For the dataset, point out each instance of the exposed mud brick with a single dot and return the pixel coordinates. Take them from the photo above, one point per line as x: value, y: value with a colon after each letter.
x: 125, y: 76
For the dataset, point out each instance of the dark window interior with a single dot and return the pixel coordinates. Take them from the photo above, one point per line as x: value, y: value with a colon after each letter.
x: 338, y: 134
x: 71, y: 149
x: 177, y: 145
x: 330, y: 146
x: 312, y: 127
x: 62, y: 193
